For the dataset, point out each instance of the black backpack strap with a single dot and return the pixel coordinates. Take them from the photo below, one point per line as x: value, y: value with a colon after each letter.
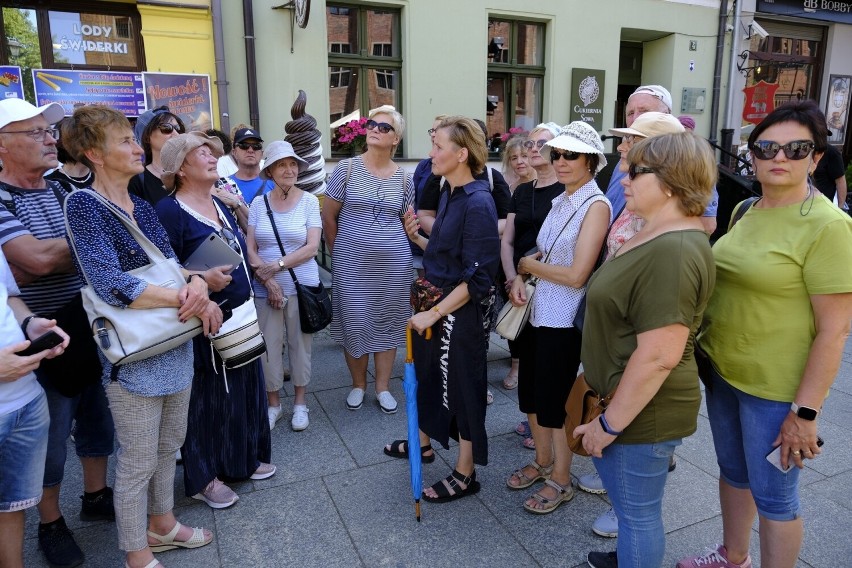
x: 741, y: 210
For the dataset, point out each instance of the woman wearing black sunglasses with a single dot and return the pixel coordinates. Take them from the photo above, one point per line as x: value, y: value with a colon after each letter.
x: 227, y: 430
x: 153, y: 129
x: 775, y: 330
x: 371, y: 259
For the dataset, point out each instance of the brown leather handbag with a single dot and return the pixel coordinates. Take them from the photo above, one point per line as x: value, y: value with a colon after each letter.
x: 583, y: 406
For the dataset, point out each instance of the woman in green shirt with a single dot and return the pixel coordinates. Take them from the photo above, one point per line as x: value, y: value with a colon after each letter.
x: 643, y: 309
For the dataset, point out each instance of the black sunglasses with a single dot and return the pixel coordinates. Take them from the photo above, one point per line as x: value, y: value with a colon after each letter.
x: 168, y: 128
x: 570, y: 156
x: 257, y: 147
x: 795, y: 150
x: 231, y: 239
x: 535, y: 143
x: 635, y: 170
x: 383, y: 127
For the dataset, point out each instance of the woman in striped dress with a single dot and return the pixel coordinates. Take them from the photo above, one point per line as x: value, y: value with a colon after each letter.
x: 371, y: 259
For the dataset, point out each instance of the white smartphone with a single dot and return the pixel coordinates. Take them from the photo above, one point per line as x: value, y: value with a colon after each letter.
x: 774, y: 457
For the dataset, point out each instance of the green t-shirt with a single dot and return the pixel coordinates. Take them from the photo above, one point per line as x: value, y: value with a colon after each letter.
x: 665, y: 281
x: 759, y: 324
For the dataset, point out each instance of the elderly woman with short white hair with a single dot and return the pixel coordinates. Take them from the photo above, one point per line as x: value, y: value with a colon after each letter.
x: 293, y: 216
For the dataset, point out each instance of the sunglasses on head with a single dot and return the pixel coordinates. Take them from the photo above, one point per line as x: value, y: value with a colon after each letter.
x: 535, y: 143
x: 795, y: 150
x: 570, y: 156
x: 257, y: 147
x: 383, y: 127
x: 635, y: 170
x: 168, y: 128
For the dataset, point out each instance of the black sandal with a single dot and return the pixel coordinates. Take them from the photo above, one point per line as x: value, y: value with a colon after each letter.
x: 396, y: 451
x: 444, y: 487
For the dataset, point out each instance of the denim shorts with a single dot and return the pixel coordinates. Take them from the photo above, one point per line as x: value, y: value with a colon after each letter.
x: 23, y: 446
x: 94, y: 434
x: 744, y: 428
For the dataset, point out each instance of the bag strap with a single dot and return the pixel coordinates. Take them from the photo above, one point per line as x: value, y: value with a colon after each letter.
x: 278, y: 237
x: 741, y: 210
x: 490, y: 172
x: 225, y: 223
x: 565, y: 226
x: 155, y: 255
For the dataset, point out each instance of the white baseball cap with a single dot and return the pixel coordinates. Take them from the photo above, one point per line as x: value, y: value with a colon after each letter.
x: 656, y: 91
x: 16, y: 110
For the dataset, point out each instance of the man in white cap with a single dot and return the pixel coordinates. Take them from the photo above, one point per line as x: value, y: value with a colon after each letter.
x: 32, y: 236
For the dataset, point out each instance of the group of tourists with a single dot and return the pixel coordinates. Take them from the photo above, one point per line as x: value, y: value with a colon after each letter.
x: 626, y: 285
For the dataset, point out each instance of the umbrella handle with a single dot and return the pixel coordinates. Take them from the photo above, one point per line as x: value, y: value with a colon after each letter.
x: 409, y: 353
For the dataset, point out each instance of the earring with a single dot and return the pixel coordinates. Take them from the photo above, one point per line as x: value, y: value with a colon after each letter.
x: 668, y: 194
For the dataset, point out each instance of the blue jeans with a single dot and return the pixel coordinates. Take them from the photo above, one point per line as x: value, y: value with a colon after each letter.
x: 744, y: 428
x: 634, y: 476
x: 23, y: 445
x: 94, y: 433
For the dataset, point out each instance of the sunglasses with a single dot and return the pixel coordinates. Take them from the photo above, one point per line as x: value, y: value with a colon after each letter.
x: 570, y: 156
x: 535, y: 143
x: 383, y: 127
x: 635, y: 170
x: 231, y: 239
x: 257, y: 147
x: 795, y: 150
x: 168, y: 128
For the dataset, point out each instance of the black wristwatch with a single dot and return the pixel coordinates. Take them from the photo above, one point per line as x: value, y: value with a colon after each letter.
x: 25, y: 323
x: 189, y: 278
x: 804, y: 412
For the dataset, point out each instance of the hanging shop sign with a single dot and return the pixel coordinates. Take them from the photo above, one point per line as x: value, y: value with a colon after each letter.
x: 823, y: 10
x: 759, y: 101
x: 587, y: 98
x: 837, y: 107
x: 187, y: 96
x: 122, y: 91
x: 11, y: 85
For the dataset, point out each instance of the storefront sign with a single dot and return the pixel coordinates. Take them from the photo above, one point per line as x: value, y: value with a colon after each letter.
x: 587, y: 96
x: 11, y: 85
x: 92, y: 39
x: 187, y: 96
x: 120, y: 90
x: 759, y: 101
x: 824, y: 10
x: 837, y: 108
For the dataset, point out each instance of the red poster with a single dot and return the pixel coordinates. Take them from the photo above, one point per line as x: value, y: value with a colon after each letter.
x: 759, y: 101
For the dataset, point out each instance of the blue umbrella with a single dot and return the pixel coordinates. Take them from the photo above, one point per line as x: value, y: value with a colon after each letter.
x: 409, y: 383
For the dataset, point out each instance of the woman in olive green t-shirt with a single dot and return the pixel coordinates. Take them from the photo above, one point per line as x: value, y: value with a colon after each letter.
x: 643, y: 309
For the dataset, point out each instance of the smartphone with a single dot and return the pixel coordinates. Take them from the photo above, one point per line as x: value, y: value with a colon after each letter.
x: 47, y: 341
x: 774, y: 457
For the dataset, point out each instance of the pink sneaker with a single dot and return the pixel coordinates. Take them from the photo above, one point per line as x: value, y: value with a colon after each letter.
x: 217, y: 495
x: 717, y: 558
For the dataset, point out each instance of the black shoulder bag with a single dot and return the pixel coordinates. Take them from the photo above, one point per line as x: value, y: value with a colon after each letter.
x: 314, y: 301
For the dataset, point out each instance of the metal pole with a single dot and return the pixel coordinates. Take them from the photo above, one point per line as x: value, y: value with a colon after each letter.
x: 221, y: 73
x: 717, y: 71
x: 251, y: 64
x: 732, y: 69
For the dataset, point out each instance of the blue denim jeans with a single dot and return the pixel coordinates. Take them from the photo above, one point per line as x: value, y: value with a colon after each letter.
x: 23, y: 445
x: 94, y: 433
x: 744, y: 428
x: 634, y: 476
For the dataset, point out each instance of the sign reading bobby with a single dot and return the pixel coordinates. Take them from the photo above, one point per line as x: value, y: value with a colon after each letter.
x: 587, y: 98
x: 186, y: 95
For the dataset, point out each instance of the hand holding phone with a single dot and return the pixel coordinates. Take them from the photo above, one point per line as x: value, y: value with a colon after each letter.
x: 42, y: 343
x: 774, y: 457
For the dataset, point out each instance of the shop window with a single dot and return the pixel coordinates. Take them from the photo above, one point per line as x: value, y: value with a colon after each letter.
x: 790, y: 62
x: 364, y: 42
x: 515, y: 59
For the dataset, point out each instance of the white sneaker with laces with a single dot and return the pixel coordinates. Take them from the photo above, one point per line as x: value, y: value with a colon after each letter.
x: 591, y: 483
x: 606, y: 525
x: 274, y: 413
x: 387, y: 402
x: 300, y: 418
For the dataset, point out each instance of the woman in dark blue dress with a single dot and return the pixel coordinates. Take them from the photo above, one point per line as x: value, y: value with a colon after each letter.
x: 228, y: 432
x: 461, y: 258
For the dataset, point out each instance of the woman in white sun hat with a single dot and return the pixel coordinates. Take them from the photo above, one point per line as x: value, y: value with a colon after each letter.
x: 568, y: 245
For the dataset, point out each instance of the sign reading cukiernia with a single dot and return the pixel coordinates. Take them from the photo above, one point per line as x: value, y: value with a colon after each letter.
x: 587, y: 98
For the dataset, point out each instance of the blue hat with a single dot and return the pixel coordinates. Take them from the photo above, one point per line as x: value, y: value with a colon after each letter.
x: 145, y: 119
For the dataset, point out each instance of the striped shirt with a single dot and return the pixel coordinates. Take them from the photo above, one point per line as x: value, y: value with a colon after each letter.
x: 38, y: 212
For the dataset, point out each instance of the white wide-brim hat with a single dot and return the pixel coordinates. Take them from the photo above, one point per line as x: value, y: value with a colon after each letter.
x: 582, y: 138
x: 279, y: 150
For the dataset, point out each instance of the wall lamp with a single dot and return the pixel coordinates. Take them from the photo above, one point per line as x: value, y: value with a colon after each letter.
x: 742, y: 68
x: 755, y: 29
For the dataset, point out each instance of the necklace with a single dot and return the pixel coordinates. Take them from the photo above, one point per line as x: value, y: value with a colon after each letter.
x: 810, y: 194
x: 284, y: 192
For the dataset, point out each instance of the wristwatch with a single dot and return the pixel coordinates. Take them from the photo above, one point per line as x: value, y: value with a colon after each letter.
x: 281, y: 263
x: 804, y: 412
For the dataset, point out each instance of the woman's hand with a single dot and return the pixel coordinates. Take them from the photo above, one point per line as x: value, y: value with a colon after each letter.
x: 800, y: 436
x: 411, y: 223
x: 211, y: 318
x: 594, y: 438
x: 422, y: 321
x: 226, y: 197
x: 267, y: 270
x: 218, y: 278
x: 518, y: 292
x: 193, y: 299
x: 275, y: 296
x: 526, y: 263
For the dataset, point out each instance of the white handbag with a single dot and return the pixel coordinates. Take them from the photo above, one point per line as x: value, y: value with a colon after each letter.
x: 239, y: 340
x: 126, y: 335
x: 512, y: 319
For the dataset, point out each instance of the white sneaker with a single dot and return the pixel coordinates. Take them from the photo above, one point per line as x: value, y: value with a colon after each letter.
x: 300, y: 418
x: 606, y: 525
x: 274, y: 413
x: 387, y: 402
x: 355, y: 399
x: 591, y: 483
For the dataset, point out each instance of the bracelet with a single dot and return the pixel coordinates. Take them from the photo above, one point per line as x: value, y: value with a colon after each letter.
x: 435, y: 309
x: 25, y: 323
x: 189, y: 278
x: 606, y: 427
